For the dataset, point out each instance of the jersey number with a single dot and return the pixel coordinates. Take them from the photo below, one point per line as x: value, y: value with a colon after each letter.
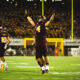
x: 3, y: 39
x: 38, y: 29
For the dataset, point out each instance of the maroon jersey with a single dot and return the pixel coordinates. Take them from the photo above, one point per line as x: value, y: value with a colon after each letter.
x: 40, y: 41
x: 3, y: 36
x: 40, y: 35
x: 3, y: 40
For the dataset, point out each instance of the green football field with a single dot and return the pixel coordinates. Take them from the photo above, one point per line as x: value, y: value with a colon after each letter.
x: 26, y: 68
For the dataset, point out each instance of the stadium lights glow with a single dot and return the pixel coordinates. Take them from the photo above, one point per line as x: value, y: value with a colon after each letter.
x: 58, y: 0
x: 44, y: 0
x: 12, y: 0
x: 52, y: 0
x: 62, y: 3
x: 29, y: 0
x: 7, y: 0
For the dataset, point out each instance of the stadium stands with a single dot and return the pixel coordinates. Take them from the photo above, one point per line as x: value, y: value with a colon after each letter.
x: 61, y: 27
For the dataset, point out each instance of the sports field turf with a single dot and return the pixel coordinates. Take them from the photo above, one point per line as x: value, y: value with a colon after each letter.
x: 26, y: 68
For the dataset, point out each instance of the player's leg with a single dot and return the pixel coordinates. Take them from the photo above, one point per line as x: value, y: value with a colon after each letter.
x: 41, y: 64
x: 38, y: 56
x: 43, y: 67
x: 39, y: 59
x: 46, y: 58
x: 4, y: 62
x: 2, y: 51
x: 47, y: 63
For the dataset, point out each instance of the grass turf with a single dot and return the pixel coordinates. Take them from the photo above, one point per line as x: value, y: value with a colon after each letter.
x: 26, y: 68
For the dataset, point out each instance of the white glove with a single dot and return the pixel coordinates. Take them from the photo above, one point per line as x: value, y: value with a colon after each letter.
x: 5, y: 47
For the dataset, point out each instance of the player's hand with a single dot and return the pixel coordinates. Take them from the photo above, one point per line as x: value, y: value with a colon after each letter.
x: 6, y: 46
x: 52, y: 17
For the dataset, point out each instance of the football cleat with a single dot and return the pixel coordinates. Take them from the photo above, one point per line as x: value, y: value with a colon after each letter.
x: 43, y: 70
x: 6, y: 67
x: 47, y: 69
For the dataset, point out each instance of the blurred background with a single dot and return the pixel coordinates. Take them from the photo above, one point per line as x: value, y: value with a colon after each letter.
x: 12, y: 17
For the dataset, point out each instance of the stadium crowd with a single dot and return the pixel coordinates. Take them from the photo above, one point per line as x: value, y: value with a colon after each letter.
x: 18, y: 26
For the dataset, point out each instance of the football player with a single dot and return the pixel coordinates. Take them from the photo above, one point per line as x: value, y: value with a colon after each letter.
x: 40, y: 40
x: 4, y: 42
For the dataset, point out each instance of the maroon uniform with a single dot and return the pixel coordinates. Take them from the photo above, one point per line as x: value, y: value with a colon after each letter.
x: 3, y: 40
x: 40, y: 40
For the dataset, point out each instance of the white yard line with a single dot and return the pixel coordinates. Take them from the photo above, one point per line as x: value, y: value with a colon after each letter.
x: 37, y: 78
x: 77, y: 73
x: 30, y: 67
x: 17, y: 63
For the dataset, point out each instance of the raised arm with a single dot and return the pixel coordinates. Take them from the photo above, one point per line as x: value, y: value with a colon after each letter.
x: 29, y: 18
x: 8, y: 40
x: 50, y: 20
x: 7, y: 43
